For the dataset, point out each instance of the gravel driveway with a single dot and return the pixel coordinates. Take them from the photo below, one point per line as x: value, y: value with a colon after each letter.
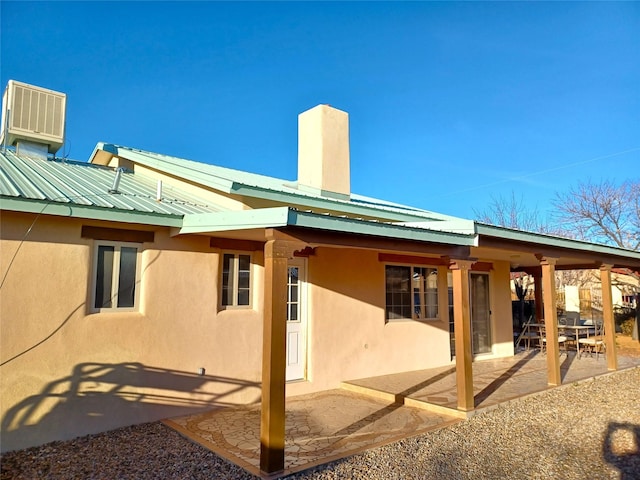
x: 588, y: 430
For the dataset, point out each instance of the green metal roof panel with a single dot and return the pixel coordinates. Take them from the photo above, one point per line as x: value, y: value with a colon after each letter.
x: 81, y: 183
x: 381, y: 229
x: 269, y: 188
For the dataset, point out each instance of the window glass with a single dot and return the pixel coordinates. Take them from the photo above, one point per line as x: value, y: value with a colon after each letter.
x: 411, y: 292
x: 293, y: 287
x: 398, y: 281
x: 227, y: 279
x: 116, y: 275
x: 236, y: 280
x: 127, y: 279
x: 244, y: 280
x: 104, y: 277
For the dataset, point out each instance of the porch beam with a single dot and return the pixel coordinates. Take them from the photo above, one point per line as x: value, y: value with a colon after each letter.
x: 272, y: 414
x: 608, y: 318
x: 462, y: 328
x: 550, y: 319
x: 316, y: 238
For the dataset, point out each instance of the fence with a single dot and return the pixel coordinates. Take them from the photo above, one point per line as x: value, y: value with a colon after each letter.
x: 590, y: 299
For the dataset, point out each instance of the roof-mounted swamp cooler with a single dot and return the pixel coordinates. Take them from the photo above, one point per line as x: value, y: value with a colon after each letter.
x: 33, y: 120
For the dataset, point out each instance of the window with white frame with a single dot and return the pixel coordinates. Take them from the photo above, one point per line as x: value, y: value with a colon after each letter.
x: 116, y: 276
x: 236, y: 280
x: 411, y: 292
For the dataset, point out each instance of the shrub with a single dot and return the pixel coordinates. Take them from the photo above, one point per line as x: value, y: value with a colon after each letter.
x: 626, y: 326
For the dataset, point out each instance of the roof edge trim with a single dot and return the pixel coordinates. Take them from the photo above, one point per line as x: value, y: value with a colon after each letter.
x: 550, y: 240
x: 90, y: 212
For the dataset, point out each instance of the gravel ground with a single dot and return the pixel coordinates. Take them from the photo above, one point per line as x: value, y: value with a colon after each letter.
x: 589, y: 430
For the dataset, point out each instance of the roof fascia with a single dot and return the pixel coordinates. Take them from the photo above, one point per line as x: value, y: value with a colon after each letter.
x: 90, y: 212
x: 102, y: 153
x: 458, y: 225
x: 235, y: 220
x: 504, y: 234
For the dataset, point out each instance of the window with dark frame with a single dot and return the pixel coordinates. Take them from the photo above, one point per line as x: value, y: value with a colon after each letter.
x: 411, y: 292
x: 236, y: 280
x: 116, y: 276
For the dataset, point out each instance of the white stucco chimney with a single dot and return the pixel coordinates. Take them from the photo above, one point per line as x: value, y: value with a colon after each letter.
x: 323, y: 151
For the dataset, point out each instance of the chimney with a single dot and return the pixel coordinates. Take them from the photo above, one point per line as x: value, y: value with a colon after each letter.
x: 323, y: 152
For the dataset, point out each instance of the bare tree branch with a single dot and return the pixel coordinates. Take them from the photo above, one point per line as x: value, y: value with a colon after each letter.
x: 513, y: 213
x: 603, y: 212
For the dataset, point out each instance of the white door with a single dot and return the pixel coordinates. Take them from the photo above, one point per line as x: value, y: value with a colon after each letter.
x: 296, y: 320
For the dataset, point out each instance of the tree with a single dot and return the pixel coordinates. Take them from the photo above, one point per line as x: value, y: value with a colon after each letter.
x: 598, y: 212
x: 513, y: 213
x: 602, y: 212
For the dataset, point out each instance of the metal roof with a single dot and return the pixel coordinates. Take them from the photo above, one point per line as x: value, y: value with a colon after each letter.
x: 287, y: 192
x: 84, y: 184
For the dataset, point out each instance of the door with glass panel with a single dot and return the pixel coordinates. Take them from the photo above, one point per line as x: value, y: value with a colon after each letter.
x: 296, y: 320
x: 480, y: 313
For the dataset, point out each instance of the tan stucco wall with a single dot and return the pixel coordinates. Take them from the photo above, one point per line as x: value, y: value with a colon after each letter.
x: 501, y: 314
x: 67, y: 372
x: 348, y: 336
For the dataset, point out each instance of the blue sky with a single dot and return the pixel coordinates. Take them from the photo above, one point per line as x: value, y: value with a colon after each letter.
x: 451, y: 104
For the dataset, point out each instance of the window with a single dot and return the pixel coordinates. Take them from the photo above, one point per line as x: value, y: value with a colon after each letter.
x: 411, y: 292
x: 116, y: 276
x: 236, y: 280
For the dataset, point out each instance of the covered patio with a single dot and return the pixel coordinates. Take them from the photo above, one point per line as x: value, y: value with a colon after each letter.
x: 462, y: 388
x: 370, y: 412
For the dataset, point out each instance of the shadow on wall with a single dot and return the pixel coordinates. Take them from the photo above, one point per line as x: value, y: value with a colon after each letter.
x: 621, y: 449
x: 99, y: 396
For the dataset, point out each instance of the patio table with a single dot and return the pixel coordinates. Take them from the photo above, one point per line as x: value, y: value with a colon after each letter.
x: 577, y: 330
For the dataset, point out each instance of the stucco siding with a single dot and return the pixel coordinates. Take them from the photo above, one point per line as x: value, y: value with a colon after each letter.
x: 348, y: 335
x: 501, y: 315
x: 67, y: 372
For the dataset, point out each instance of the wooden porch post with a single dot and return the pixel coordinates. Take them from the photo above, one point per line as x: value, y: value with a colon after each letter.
x: 609, y: 322
x: 272, y: 415
x: 537, y: 287
x: 462, y: 329
x: 551, y: 319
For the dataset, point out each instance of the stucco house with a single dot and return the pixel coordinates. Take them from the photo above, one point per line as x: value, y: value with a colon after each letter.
x: 138, y: 286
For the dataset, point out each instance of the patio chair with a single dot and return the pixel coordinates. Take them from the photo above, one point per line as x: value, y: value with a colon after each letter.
x: 528, y: 334
x: 561, y: 339
x: 594, y: 341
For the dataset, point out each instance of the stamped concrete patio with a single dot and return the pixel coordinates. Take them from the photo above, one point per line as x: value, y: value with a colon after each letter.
x: 369, y: 412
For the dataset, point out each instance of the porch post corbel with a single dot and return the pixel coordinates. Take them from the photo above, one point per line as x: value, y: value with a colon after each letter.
x: 608, y: 318
x: 548, y: 265
x: 272, y: 414
x: 462, y: 329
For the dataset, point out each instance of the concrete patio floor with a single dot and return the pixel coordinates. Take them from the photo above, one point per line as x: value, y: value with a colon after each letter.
x: 370, y: 412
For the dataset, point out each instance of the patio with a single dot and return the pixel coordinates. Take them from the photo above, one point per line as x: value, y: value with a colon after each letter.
x: 370, y: 412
